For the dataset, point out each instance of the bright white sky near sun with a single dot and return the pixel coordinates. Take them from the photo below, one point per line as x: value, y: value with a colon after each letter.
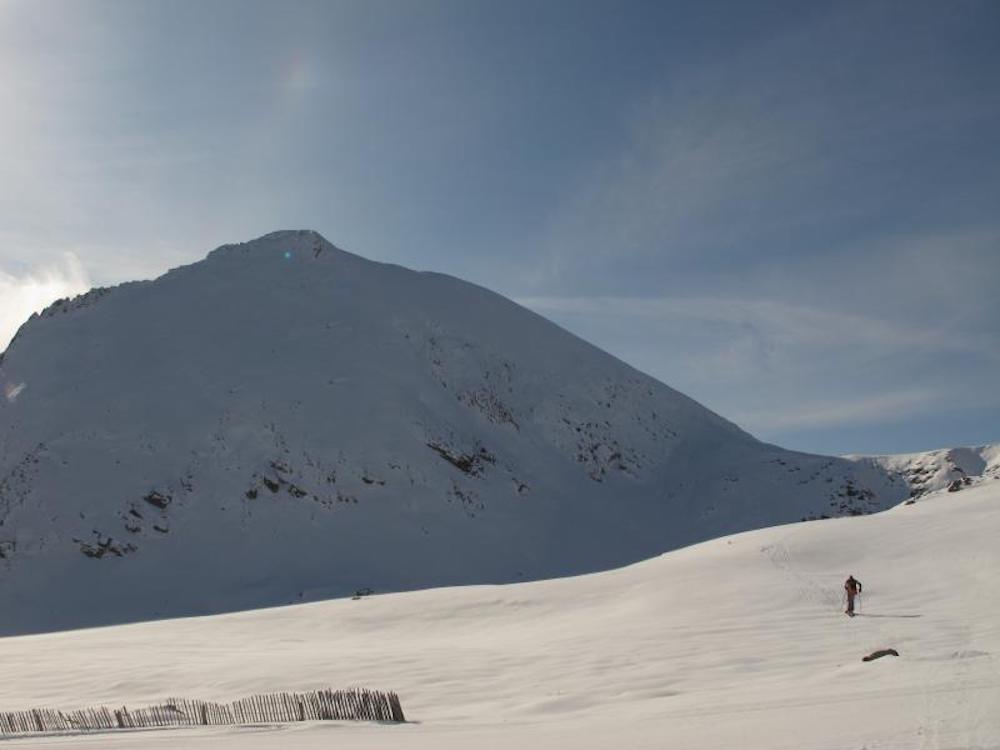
x: 786, y: 210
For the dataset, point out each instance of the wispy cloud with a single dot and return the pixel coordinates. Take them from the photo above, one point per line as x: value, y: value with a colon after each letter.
x: 758, y: 157
x: 784, y: 325
x: 778, y: 366
x: 800, y: 238
x: 30, y: 292
x: 865, y: 410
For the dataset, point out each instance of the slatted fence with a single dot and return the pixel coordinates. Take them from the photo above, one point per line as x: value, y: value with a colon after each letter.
x: 319, y: 705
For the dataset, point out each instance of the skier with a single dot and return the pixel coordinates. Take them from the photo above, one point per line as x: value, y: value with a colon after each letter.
x: 852, y: 587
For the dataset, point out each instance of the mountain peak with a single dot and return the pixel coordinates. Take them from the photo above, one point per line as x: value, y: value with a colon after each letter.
x: 284, y: 243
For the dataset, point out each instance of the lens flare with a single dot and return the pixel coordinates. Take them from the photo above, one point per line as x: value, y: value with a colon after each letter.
x: 11, y: 391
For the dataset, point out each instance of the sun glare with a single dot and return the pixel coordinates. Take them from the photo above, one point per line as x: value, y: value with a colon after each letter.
x: 20, y: 296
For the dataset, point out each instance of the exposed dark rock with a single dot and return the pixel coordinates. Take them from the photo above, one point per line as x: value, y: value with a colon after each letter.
x: 104, y: 546
x: 880, y: 653
x: 468, y: 464
x: 489, y: 404
x: 158, y: 499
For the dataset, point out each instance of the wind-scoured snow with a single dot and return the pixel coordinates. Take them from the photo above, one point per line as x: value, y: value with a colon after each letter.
x: 285, y: 422
x: 736, y: 642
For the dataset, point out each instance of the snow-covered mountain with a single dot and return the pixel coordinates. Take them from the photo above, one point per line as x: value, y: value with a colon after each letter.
x: 286, y: 421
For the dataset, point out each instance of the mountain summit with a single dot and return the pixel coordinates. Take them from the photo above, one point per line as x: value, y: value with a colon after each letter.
x: 285, y: 420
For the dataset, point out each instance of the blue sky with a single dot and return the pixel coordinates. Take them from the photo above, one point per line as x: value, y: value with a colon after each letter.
x: 789, y: 211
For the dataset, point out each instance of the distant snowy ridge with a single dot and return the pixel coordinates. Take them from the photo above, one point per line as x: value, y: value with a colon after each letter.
x: 286, y: 421
x: 952, y: 468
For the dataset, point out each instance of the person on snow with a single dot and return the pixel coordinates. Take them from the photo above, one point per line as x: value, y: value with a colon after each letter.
x: 852, y: 587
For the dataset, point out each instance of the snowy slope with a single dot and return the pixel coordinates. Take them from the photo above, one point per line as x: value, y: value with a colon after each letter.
x: 736, y: 642
x: 285, y: 421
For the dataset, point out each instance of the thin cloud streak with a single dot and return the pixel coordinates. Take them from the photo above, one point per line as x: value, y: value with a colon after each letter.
x: 778, y: 367
x: 784, y: 324
x: 835, y: 413
x: 753, y: 157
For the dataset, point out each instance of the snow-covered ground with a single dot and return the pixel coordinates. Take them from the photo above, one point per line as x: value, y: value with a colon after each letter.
x: 736, y: 642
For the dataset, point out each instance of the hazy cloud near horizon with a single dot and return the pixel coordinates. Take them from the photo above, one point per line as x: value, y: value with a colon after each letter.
x: 786, y: 211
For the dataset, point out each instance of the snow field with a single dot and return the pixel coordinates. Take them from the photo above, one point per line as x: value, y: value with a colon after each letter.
x: 736, y: 642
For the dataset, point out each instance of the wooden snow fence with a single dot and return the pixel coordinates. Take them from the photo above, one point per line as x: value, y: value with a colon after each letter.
x: 319, y: 705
